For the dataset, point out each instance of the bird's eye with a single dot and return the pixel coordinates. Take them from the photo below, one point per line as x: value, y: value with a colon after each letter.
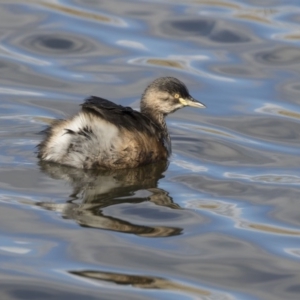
x: 176, y: 96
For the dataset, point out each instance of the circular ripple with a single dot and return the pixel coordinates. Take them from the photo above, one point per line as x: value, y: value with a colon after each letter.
x: 57, y: 44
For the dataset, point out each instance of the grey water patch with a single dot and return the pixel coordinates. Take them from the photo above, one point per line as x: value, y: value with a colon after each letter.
x: 196, y: 27
x: 207, y: 30
x: 238, y: 71
x: 15, y: 74
x: 268, y: 178
x: 279, y: 56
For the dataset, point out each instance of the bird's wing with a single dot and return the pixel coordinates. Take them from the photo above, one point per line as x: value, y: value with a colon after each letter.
x: 118, y: 115
x: 99, y: 105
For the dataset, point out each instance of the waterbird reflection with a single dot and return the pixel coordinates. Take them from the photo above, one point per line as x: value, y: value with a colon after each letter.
x: 94, y: 190
x: 141, y: 281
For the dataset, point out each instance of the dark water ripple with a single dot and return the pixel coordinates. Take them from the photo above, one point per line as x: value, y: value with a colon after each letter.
x: 54, y: 44
x: 221, y: 220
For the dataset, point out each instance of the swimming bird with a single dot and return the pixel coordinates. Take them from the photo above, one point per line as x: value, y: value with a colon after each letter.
x: 110, y: 136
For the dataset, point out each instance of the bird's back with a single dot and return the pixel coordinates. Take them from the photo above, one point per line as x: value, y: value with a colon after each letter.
x: 104, y: 135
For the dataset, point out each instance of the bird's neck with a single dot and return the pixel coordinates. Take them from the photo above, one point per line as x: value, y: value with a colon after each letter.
x: 157, y: 117
x: 159, y: 120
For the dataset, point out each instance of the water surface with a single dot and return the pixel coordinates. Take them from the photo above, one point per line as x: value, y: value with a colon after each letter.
x: 221, y: 219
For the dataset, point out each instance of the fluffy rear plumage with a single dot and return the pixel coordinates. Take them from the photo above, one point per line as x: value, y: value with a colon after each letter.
x: 103, y: 135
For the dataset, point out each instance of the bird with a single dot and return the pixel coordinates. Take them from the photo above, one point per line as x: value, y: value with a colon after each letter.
x: 105, y: 135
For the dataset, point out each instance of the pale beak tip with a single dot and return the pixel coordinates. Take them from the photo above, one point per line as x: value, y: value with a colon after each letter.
x: 196, y: 103
x: 200, y: 105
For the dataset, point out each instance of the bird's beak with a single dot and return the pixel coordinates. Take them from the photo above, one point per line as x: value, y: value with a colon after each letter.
x: 190, y: 101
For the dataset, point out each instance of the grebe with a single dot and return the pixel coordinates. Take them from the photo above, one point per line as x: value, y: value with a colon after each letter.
x: 110, y: 136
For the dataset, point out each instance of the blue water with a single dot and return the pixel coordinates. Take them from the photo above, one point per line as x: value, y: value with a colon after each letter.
x: 221, y: 220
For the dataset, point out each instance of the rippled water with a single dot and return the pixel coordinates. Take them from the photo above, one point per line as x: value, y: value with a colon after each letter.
x: 221, y: 220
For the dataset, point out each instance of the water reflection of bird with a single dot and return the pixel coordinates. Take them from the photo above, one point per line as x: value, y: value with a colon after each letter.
x: 106, y: 135
x: 94, y: 191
